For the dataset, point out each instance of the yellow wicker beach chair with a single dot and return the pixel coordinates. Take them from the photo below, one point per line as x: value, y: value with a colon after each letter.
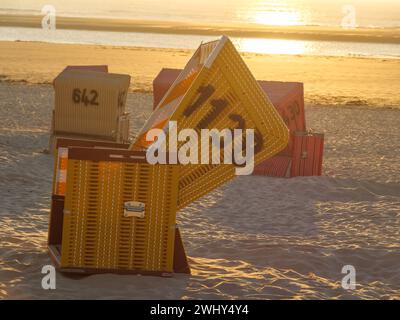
x: 119, y: 211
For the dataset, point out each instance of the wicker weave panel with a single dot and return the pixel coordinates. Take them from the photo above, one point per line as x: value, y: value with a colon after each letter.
x: 96, y: 234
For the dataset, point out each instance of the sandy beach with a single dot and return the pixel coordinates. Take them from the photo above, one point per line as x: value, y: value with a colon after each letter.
x: 352, y: 81
x: 255, y: 238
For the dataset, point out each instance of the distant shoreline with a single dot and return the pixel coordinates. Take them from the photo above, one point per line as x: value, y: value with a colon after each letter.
x: 316, y: 33
x: 334, y: 81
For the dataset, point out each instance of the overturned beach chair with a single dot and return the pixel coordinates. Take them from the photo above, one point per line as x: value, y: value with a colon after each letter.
x: 114, y: 212
x: 303, y: 154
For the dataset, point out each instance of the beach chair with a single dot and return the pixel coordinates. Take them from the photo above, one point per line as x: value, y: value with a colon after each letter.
x: 304, y: 153
x: 90, y: 104
x: 127, y: 238
x: 117, y: 212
